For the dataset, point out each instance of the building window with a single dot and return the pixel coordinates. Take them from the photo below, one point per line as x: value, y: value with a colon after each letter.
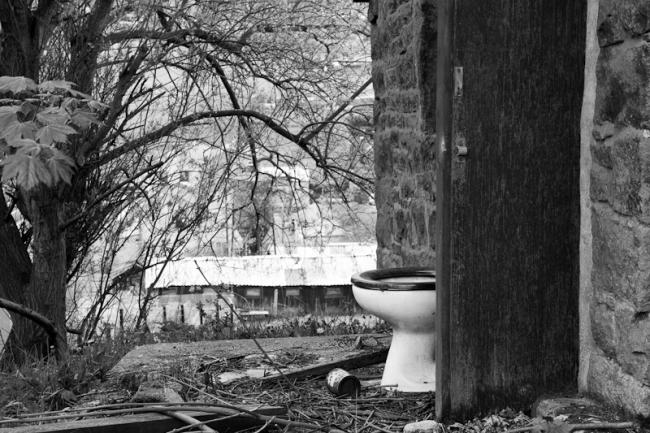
x: 254, y: 292
x: 292, y: 293
x: 186, y: 290
x: 333, y: 293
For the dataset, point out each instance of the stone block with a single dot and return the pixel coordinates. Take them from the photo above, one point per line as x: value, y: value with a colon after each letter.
x: 428, y: 426
x: 619, y: 20
x: 601, y: 149
x: 383, y: 229
x: 622, y: 94
x: 420, y: 218
x: 407, y: 187
x: 550, y: 407
x: 603, y: 329
x: 627, y: 173
x: 422, y: 256
x: 601, y: 179
x: 636, y: 351
x: 632, y: 353
x: 383, y: 156
x: 378, y: 84
x: 621, y: 256
x: 400, y: 220
x: 606, y: 379
x: 404, y: 101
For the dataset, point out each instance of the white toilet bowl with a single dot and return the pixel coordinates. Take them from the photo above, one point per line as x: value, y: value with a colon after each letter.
x: 406, y: 299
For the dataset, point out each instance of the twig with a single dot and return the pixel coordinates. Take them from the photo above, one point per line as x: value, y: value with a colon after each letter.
x: 191, y: 422
x: 56, y: 339
x: 372, y: 425
x: 573, y: 427
x: 200, y: 391
x: 266, y: 424
x: 187, y: 427
x: 158, y: 408
x: 189, y: 404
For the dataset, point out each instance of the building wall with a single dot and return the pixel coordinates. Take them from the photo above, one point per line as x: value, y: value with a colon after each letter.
x: 619, y: 365
x: 615, y: 179
x: 403, y: 71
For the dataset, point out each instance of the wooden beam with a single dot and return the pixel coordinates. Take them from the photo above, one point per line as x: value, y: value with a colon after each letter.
x: 148, y: 423
x: 347, y: 363
x: 443, y: 207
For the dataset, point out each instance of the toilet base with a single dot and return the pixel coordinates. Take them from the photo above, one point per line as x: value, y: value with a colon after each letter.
x: 410, y: 364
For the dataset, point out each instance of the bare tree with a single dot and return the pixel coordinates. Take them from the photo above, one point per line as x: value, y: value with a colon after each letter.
x: 254, y: 80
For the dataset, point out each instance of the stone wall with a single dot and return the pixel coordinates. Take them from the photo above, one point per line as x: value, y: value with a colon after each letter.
x: 619, y: 365
x: 403, y: 72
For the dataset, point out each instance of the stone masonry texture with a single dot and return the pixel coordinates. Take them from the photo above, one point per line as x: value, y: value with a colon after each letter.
x: 403, y: 71
x: 619, y: 368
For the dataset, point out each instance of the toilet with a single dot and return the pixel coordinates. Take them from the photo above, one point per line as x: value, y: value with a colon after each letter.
x: 406, y: 299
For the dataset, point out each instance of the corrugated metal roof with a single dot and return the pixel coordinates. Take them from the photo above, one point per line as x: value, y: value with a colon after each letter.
x: 264, y: 271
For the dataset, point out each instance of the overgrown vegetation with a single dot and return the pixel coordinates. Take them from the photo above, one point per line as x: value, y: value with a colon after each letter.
x: 41, y: 385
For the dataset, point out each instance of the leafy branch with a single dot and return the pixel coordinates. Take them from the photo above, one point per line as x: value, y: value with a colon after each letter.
x: 35, y: 127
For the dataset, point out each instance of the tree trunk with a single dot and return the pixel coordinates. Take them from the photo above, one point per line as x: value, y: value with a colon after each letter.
x: 20, y: 48
x: 46, y: 291
x: 15, y: 268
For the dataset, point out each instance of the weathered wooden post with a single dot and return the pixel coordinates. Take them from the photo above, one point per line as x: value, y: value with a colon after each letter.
x: 509, y: 94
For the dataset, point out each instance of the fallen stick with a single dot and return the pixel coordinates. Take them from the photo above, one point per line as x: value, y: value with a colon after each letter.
x: 574, y: 427
x: 191, y: 422
x: 197, y: 412
x: 348, y: 363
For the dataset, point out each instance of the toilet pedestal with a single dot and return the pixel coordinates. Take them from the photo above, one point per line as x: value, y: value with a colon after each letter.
x: 410, y: 362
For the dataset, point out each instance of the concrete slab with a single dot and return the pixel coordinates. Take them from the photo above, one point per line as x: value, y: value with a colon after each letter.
x: 150, y: 361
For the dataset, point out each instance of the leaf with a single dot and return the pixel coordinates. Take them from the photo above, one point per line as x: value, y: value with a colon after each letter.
x: 62, y: 86
x: 17, y: 85
x: 30, y: 166
x: 7, y: 116
x: 54, y: 85
x: 84, y: 119
x: 51, y: 117
x: 22, y: 168
x: 69, y: 104
x: 54, y: 134
x: 61, y: 166
x: 25, y: 145
x: 18, y: 130
x: 27, y: 108
x: 97, y: 106
x: 80, y: 95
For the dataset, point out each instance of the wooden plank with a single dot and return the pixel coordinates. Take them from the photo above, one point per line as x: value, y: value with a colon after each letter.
x: 145, y: 423
x: 321, y: 369
x: 512, y: 290
x: 443, y: 207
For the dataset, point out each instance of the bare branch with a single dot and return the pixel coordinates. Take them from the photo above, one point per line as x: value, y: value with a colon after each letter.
x: 45, y: 323
x: 192, y: 118
x: 97, y: 200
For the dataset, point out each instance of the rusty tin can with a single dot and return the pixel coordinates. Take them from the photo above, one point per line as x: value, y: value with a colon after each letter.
x: 341, y: 383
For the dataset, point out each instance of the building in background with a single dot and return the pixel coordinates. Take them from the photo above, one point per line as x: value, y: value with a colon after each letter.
x: 194, y: 290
